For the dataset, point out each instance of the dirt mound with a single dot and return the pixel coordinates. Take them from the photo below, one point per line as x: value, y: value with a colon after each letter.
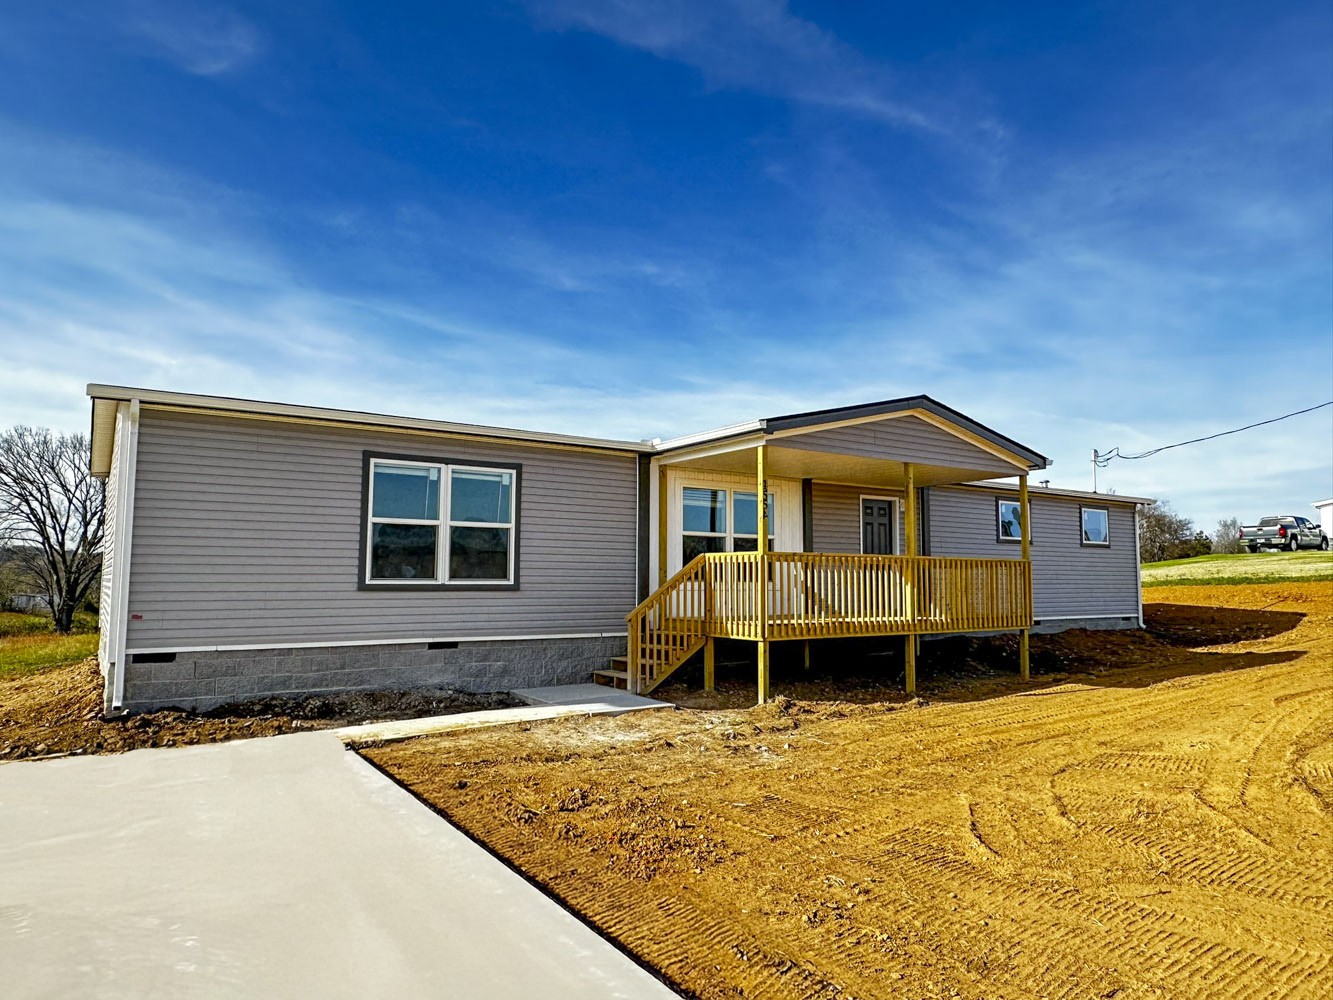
x: 60, y: 712
x: 348, y: 707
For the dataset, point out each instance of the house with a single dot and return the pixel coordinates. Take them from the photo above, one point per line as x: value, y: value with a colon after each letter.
x: 1325, y: 508
x: 29, y: 603
x: 263, y: 548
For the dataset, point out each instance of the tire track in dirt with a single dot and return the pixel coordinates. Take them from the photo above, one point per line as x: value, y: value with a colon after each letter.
x: 1178, y: 941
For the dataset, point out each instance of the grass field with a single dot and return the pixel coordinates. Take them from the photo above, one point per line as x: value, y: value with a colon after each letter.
x: 1230, y: 570
x: 28, y: 644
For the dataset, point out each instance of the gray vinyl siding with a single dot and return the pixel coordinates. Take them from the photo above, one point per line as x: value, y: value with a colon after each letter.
x: 247, y: 532
x: 837, y: 516
x: 1068, y: 578
x: 902, y: 439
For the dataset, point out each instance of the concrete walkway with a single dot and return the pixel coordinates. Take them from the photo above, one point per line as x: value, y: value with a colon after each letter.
x: 595, y: 698
x: 281, y: 867
x: 562, y: 701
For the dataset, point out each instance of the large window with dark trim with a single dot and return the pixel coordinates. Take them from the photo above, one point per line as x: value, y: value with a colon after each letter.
x: 439, y: 523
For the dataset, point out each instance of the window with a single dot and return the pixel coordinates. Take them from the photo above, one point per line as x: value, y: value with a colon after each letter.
x: 439, y: 523
x: 1096, y: 526
x: 480, y: 521
x: 745, y: 522
x: 706, y: 526
x: 1008, y: 521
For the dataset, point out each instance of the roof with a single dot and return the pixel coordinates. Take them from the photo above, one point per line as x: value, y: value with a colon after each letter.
x: 861, y: 411
x: 1323, y: 503
x: 1038, y: 491
x: 319, y: 414
x: 104, y: 422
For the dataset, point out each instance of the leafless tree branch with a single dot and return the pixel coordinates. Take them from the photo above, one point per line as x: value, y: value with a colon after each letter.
x: 52, y: 514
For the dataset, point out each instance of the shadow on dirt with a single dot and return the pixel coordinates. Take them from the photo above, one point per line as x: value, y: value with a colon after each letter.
x: 1174, y: 643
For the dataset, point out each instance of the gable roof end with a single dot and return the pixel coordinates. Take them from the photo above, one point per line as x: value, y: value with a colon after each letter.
x: 813, y: 418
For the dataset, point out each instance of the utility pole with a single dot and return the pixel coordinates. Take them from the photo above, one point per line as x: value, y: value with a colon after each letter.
x: 1094, y: 470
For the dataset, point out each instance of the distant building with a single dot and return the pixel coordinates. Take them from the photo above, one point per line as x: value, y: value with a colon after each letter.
x: 1325, y: 508
x: 30, y: 602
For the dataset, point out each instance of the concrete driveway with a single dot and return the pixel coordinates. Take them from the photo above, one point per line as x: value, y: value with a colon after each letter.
x: 282, y: 867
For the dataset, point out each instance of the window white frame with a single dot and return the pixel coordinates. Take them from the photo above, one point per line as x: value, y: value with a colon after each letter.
x: 733, y: 534
x: 1000, y: 536
x: 1082, y: 530
x: 443, y: 525
x: 729, y: 505
x: 895, y: 518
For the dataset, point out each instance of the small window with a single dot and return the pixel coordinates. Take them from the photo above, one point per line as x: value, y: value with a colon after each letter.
x: 419, y: 532
x: 1096, y: 526
x: 1008, y: 521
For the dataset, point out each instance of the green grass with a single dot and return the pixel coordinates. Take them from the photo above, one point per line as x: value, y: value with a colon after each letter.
x: 28, y: 654
x: 17, y: 623
x: 28, y: 644
x: 1246, y: 567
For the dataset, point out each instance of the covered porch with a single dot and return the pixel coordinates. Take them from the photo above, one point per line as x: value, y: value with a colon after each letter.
x: 731, y: 566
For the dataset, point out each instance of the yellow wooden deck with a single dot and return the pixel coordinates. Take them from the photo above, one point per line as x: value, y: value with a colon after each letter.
x: 813, y: 595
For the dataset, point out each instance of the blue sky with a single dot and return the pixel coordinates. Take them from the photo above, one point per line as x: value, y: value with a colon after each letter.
x: 1087, y: 225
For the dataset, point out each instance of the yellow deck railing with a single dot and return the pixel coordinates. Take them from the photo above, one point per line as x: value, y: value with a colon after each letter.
x: 816, y: 595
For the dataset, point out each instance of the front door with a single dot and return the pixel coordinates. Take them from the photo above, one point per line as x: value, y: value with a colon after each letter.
x: 877, y: 517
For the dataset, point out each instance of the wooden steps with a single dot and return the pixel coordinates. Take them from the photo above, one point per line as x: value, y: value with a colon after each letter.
x: 616, y: 676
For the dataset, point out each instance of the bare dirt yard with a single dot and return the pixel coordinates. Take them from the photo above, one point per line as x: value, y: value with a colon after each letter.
x: 58, y: 710
x: 1151, y: 817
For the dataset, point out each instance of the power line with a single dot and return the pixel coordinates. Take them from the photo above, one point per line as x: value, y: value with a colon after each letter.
x: 1103, y: 459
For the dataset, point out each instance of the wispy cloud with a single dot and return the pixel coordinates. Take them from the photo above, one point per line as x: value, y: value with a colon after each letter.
x: 197, y: 36
x: 173, y: 289
x: 1103, y: 295
x: 1066, y: 334
x: 756, y: 45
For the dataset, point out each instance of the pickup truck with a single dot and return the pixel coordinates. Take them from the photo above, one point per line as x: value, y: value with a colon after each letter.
x: 1286, y: 532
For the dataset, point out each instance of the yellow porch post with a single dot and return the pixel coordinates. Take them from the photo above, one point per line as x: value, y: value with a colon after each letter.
x: 1025, y: 524
x: 710, y: 661
x: 910, y: 547
x: 761, y: 576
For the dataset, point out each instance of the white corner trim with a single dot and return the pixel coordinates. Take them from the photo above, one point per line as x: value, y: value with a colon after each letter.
x: 406, y: 641
x: 123, y: 538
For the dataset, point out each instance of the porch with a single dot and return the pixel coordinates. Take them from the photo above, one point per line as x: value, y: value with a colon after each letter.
x: 782, y: 596
x: 811, y: 526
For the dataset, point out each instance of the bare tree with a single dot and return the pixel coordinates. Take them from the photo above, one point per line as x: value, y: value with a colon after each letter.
x: 52, y: 514
x: 1163, y: 534
x: 1227, y: 536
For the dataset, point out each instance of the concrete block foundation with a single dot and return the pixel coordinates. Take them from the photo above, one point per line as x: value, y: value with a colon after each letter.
x: 204, y: 680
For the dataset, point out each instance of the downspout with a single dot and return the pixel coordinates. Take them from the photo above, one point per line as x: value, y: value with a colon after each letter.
x: 129, y: 455
x: 643, y: 530
x: 1138, y: 563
